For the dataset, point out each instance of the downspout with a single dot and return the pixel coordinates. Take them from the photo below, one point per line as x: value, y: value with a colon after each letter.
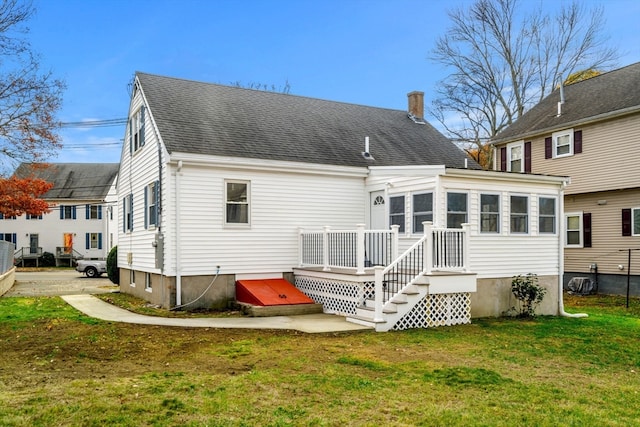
x: 562, y: 236
x: 177, y: 218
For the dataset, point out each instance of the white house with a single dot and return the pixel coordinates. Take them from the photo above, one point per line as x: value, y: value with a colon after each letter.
x: 369, y: 211
x: 83, y: 217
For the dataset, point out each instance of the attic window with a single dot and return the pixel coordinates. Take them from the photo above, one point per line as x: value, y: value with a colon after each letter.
x: 136, y: 130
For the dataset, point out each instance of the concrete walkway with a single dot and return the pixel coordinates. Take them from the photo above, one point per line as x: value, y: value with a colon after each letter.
x: 310, y: 323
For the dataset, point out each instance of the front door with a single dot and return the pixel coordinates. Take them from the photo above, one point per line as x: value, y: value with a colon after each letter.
x: 33, y: 243
x: 68, y: 243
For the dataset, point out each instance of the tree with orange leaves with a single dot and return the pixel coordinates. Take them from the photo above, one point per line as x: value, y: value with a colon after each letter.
x: 22, y: 195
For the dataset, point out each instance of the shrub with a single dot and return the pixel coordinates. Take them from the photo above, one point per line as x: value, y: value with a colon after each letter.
x: 113, y: 272
x: 47, y: 260
x: 530, y: 294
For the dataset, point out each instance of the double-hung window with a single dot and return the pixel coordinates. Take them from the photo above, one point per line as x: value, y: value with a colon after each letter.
x: 574, y: 229
x: 422, y: 210
x: 563, y: 143
x: 93, y: 240
x: 515, y: 157
x: 151, y: 204
x: 237, y: 196
x: 397, y: 212
x: 489, y: 213
x: 519, y: 214
x: 29, y: 216
x: 93, y: 211
x: 456, y: 209
x: 547, y: 215
x: 127, y: 213
x: 136, y: 130
x: 67, y: 212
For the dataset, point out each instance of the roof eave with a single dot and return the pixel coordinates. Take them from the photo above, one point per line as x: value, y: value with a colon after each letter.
x: 584, y: 121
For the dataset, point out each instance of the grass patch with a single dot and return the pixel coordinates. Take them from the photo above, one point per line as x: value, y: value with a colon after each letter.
x: 499, y: 372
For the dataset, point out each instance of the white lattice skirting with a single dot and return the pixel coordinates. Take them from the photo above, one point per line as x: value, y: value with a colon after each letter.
x: 438, y: 310
x: 336, y: 296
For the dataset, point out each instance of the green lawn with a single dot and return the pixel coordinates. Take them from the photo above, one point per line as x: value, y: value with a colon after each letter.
x: 61, y: 368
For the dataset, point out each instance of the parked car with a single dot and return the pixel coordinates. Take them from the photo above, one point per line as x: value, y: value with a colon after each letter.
x: 92, y: 268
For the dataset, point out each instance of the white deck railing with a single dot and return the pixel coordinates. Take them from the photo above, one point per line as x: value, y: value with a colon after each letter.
x: 347, y: 249
x: 439, y: 249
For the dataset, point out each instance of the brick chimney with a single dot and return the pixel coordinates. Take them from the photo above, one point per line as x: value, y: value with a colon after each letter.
x: 416, y: 104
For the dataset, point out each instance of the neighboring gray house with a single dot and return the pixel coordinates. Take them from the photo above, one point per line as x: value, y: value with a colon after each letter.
x: 369, y: 211
x: 589, y: 131
x: 82, y: 218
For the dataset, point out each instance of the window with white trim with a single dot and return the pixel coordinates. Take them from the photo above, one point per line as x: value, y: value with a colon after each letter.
x: 151, y: 205
x: 422, y: 210
x: 94, y: 241
x: 547, y: 215
x: 94, y: 212
x: 635, y: 221
x: 456, y: 209
x: 489, y: 213
x: 519, y: 212
x: 237, y: 196
x: 67, y: 212
x: 573, y: 227
x: 563, y: 143
x: 127, y: 213
x: 396, y: 212
x: 136, y: 130
x: 515, y: 157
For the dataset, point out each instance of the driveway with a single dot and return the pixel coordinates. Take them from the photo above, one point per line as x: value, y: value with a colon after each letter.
x: 58, y: 282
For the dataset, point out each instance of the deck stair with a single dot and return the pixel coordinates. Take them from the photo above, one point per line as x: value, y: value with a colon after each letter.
x: 429, y: 284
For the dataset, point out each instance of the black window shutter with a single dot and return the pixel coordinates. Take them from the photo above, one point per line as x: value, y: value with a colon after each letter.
x: 626, y: 222
x: 577, y: 142
x: 548, y: 149
x: 527, y: 157
x: 586, y: 230
x: 503, y: 158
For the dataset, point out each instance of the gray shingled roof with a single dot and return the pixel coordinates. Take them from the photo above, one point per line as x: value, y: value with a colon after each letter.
x: 598, y: 97
x: 84, y: 181
x: 212, y: 119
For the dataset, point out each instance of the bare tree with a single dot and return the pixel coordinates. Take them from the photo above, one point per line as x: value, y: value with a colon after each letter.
x: 29, y: 98
x: 504, y: 60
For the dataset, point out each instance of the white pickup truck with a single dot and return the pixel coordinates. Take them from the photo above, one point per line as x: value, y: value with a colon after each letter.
x: 92, y: 268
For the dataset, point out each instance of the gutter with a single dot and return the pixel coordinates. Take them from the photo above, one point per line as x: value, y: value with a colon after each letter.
x: 561, y: 230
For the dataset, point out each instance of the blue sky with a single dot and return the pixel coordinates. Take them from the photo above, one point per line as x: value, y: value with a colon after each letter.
x: 369, y: 52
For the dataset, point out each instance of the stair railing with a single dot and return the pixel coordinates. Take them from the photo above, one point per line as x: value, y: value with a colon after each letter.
x: 436, y: 250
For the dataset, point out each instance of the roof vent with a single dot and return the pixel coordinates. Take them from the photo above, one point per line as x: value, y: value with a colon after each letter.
x: 366, y: 154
